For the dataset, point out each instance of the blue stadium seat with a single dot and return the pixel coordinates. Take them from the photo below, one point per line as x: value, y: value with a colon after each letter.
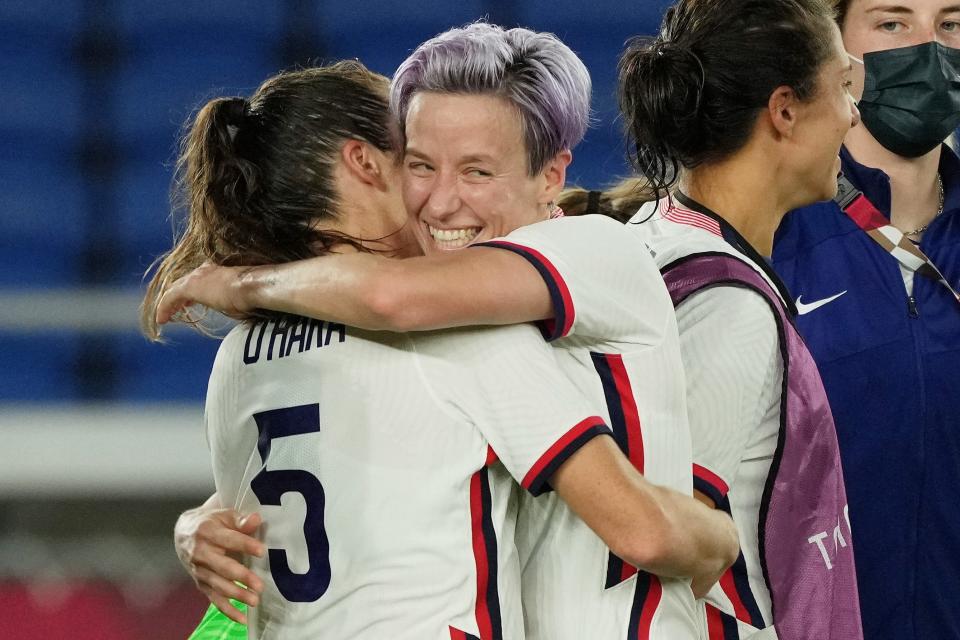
x: 38, y: 367
x: 165, y: 82
x: 41, y: 95
x: 438, y: 15
x: 174, y: 372
x: 44, y: 221
x: 143, y: 209
x: 373, y: 36
x: 52, y: 21
x: 210, y: 20
x: 565, y: 17
x: 599, y: 160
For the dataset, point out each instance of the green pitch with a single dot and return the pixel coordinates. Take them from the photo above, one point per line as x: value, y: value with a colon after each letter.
x: 216, y: 626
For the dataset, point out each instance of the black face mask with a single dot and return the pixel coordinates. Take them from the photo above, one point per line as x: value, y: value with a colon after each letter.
x: 911, y: 97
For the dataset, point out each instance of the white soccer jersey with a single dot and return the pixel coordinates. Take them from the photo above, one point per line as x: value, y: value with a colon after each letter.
x: 370, y: 456
x: 616, y: 337
x: 731, y: 350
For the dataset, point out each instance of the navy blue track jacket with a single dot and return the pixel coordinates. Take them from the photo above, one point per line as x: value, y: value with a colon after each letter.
x: 891, y: 367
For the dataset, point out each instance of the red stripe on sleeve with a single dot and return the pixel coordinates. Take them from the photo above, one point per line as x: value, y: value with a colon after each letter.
x: 558, y: 282
x: 559, y: 446
x: 711, y: 478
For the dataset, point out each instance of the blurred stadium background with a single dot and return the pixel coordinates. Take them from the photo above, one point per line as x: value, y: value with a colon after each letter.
x: 101, y: 444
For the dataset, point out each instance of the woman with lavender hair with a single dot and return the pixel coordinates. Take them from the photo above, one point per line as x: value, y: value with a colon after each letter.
x: 489, y: 118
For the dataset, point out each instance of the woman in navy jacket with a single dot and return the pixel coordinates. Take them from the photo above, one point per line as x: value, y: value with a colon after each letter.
x: 886, y: 334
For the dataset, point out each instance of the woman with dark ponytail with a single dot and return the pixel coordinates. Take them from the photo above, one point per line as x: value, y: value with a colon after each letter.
x: 737, y: 111
x: 257, y: 178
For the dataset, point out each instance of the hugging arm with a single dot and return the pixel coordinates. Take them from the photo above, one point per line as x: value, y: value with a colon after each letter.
x: 476, y: 286
x: 654, y: 528
x: 545, y: 432
x: 582, y: 272
x: 211, y: 542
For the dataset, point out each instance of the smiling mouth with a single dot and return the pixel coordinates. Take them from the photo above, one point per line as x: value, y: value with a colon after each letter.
x: 448, y: 239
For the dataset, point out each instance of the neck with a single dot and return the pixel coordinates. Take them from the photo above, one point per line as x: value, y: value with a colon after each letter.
x: 914, y: 191
x: 755, y: 210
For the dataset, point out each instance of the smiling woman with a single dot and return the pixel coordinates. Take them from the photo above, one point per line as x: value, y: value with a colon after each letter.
x: 467, y: 171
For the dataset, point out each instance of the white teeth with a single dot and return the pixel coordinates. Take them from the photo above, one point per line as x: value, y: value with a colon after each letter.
x: 453, y: 238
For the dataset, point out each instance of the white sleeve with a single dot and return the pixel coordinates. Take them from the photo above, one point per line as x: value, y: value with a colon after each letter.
x: 731, y: 355
x: 507, y: 382
x: 603, y: 281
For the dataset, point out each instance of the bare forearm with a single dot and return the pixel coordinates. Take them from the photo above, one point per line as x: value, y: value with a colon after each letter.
x: 341, y: 289
x: 480, y: 286
x: 656, y: 529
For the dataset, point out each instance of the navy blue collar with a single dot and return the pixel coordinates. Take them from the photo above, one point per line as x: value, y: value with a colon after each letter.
x: 875, y: 184
x: 738, y: 242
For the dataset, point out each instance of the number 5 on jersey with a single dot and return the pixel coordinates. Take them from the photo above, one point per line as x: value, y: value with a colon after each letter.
x: 269, y: 487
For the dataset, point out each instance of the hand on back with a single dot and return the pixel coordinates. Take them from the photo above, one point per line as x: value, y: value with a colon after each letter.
x: 211, y: 543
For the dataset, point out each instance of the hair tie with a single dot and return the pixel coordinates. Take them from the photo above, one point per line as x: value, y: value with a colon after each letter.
x: 593, y: 202
x: 236, y: 111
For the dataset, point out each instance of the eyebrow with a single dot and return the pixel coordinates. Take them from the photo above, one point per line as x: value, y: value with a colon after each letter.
x: 890, y: 8
x: 477, y: 157
x: 411, y: 151
x: 902, y: 9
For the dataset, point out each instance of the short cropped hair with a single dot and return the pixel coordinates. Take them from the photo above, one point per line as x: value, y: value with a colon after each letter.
x: 546, y: 81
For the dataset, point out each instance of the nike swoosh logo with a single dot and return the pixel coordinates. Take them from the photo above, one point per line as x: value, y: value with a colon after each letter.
x: 805, y: 308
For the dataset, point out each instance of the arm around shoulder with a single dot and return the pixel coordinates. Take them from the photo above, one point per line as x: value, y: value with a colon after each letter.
x: 468, y: 287
x: 656, y: 529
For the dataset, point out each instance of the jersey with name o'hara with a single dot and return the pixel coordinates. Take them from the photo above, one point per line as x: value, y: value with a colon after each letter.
x: 731, y: 349
x: 614, y: 330
x: 386, y: 512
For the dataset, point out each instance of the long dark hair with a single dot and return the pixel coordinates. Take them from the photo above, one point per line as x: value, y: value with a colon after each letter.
x: 254, y: 177
x: 692, y: 94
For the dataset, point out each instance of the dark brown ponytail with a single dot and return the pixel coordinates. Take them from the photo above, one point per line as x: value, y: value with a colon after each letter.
x: 255, y: 177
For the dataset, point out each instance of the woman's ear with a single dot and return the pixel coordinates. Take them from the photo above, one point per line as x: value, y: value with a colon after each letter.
x: 782, y: 108
x: 364, y: 162
x: 555, y: 175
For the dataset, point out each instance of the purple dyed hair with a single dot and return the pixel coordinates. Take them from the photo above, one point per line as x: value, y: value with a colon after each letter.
x: 546, y: 81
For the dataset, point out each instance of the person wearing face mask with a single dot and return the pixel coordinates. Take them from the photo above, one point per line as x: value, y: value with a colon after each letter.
x: 875, y: 275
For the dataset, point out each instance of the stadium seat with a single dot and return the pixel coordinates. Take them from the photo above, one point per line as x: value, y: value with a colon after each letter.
x: 172, y: 372
x: 42, y: 94
x: 44, y: 221
x: 165, y: 82
x: 372, y: 35
x: 143, y: 229
x: 50, y: 21
x: 38, y: 367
